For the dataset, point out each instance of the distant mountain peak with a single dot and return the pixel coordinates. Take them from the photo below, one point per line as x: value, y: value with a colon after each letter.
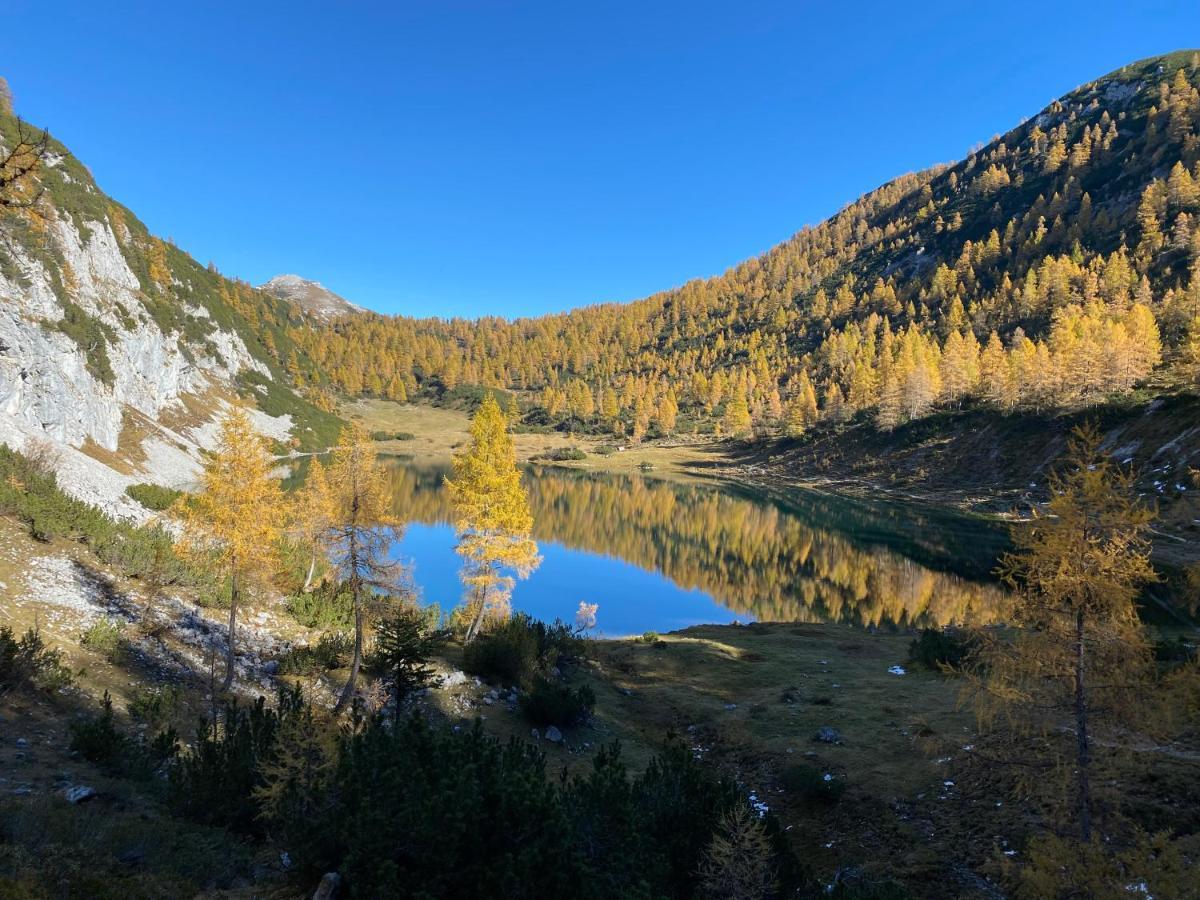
x: 311, y: 296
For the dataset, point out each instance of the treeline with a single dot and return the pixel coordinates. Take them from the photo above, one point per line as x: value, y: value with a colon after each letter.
x: 1058, y: 265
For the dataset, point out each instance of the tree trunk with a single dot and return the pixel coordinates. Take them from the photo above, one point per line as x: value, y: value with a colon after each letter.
x: 477, y: 622
x: 1083, y: 747
x: 312, y: 567
x: 355, y: 591
x: 356, y: 663
x: 229, y: 657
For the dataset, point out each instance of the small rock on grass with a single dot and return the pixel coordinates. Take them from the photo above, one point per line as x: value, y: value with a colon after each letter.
x: 827, y: 735
x: 79, y: 793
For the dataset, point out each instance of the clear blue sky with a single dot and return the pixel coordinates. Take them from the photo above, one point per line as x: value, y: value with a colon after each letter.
x: 501, y: 157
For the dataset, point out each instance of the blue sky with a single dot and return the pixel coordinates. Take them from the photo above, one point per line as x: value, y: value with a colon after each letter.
x: 463, y: 158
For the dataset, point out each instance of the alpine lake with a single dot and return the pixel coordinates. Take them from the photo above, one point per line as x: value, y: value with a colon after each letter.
x: 657, y: 555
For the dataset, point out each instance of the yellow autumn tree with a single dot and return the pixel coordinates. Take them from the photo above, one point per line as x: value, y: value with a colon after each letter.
x: 491, y: 515
x: 666, y: 414
x: 312, y: 514
x: 233, y: 522
x: 737, y: 416
x: 1071, y: 682
x: 363, y: 528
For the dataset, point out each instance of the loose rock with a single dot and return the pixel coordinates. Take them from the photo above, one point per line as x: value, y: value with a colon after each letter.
x: 79, y: 794
x: 827, y: 735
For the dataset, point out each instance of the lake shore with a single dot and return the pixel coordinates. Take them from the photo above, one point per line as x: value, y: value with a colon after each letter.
x: 922, y: 465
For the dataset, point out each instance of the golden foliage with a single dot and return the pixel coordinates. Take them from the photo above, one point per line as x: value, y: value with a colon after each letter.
x: 313, y: 512
x: 1152, y: 865
x: 491, y: 512
x: 1064, y: 693
x: 739, y: 863
x: 234, y: 521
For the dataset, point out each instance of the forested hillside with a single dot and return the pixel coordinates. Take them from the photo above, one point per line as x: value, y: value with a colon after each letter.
x: 1055, y: 266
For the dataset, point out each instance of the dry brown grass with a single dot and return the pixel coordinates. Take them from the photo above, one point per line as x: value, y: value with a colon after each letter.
x: 439, y: 432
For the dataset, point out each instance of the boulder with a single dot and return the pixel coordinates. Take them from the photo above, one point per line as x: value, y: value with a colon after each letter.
x: 554, y: 735
x: 827, y: 735
x: 79, y: 793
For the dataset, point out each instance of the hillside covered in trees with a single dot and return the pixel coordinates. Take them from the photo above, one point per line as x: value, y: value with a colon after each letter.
x: 1056, y: 266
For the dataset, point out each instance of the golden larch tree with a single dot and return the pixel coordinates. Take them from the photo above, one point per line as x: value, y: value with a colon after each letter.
x: 361, y: 532
x: 233, y: 523
x: 312, y: 515
x: 1074, y: 676
x: 737, y: 416
x: 491, y: 514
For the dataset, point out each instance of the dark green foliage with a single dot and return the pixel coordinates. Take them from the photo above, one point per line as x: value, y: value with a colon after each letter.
x: 403, y: 648
x: 411, y: 808
x: 99, y: 740
x: 328, y: 605
x: 331, y: 651
x: 312, y: 428
x: 469, y: 396
x: 461, y: 815
x: 214, y: 781
x: 216, y: 594
x: 515, y: 649
x: 28, y: 662
x: 392, y: 436
x: 939, y: 649
x: 1179, y: 650
x: 856, y: 886
x: 156, y: 706
x: 507, y: 653
x: 153, y: 496
x: 551, y: 702
x: 811, y: 783
x: 30, y: 492
x: 107, y: 637
x: 563, y: 454
x: 91, y: 336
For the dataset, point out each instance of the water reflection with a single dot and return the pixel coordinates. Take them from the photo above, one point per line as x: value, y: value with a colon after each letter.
x: 669, y: 554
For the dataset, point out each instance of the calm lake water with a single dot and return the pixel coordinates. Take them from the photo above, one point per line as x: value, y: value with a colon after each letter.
x: 658, y: 555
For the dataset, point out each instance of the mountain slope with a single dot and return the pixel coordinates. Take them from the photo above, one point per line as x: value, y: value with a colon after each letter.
x: 117, y: 349
x: 1071, y: 238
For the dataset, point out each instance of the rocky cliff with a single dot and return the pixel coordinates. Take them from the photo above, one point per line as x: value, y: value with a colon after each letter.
x: 118, y: 351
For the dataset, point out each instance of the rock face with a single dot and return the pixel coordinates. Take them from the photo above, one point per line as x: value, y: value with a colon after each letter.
x: 311, y: 296
x: 108, y: 350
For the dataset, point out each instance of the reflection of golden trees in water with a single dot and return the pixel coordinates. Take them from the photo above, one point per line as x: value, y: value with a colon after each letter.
x: 750, y: 556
